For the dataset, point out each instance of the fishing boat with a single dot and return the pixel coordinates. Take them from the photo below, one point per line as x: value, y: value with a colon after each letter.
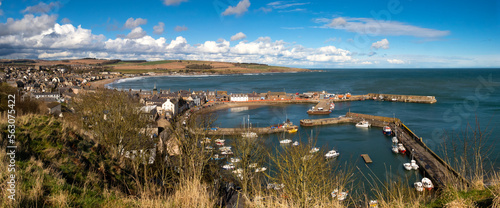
x: 219, y: 142
x: 387, y: 130
x: 407, y: 166
x: 296, y: 143
x: 427, y: 183
x: 332, y: 154
x: 418, y: 186
x: 401, y: 148
x: 414, y: 165
x: 285, y: 141
x: 395, y: 140
x: 363, y: 124
x: 395, y: 149
x: 314, y: 150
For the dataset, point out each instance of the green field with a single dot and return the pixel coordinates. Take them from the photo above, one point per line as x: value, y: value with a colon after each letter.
x: 156, y: 62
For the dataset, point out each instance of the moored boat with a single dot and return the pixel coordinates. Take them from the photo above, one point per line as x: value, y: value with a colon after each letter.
x: 285, y: 141
x: 395, y: 140
x: 407, y: 166
x: 427, y: 183
x: 314, y: 150
x: 294, y: 130
x: 296, y: 143
x: 418, y: 186
x: 332, y: 154
x: 387, y: 130
x: 363, y: 123
x: 395, y: 149
x: 401, y: 148
x: 414, y: 165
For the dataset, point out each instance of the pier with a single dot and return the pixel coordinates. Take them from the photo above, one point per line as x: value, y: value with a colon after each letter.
x: 257, y: 130
x: 430, y: 163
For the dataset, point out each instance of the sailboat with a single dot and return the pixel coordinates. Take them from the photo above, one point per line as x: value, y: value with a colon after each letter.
x: 248, y: 133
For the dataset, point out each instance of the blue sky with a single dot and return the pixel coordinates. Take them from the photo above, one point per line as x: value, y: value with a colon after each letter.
x: 312, y: 34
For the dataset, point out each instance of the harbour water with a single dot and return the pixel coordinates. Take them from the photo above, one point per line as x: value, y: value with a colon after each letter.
x: 462, y: 95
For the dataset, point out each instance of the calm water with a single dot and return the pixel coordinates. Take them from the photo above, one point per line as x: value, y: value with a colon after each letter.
x: 462, y: 94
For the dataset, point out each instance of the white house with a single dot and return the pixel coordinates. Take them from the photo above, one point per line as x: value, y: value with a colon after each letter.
x: 239, y: 97
x: 170, y: 106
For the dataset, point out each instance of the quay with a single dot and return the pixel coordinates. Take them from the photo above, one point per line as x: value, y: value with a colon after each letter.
x: 240, y: 131
x: 431, y: 164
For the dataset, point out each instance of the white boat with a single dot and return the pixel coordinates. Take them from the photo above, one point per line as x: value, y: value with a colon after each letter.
x: 296, y: 143
x: 279, y: 186
x: 249, y: 134
x: 262, y: 169
x: 363, y: 124
x: 414, y: 165
x: 314, y: 150
x: 373, y: 204
x: 395, y: 140
x: 427, y: 183
x: 253, y: 165
x: 235, y: 160
x: 285, y: 141
x: 228, y: 166
x: 209, y: 148
x: 217, y: 157
x: 225, y: 148
x: 220, y: 142
x: 226, y: 152
x: 407, y: 166
x: 307, y: 157
x: 339, y: 195
x: 387, y: 130
x: 418, y: 186
x: 332, y: 154
x: 206, y: 140
x: 395, y: 149
x: 401, y: 148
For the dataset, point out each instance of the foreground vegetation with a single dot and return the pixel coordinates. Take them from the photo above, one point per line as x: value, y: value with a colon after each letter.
x: 68, y: 162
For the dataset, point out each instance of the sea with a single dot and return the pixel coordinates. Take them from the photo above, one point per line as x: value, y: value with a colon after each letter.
x: 466, y: 99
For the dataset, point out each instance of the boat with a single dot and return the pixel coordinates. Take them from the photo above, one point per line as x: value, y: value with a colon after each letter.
x: 220, y: 142
x: 387, y: 130
x: 217, y: 157
x: 332, y: 106
x: 395, y: 140
x: 314, y: 150
x: 296, y: 143
x: 373, y: 204
x: 395, y: 149
x: 225, y: 148
x: 363, y: 123
x: 228, y: 166
x: 226, y: 152
x: 401, y: 148
x: 339, y: 195
x: 294, y: 130
x: 235, y: 160
x: 407, y: 166
x: 307, y: 157
x: 427, y: 183
x: 414, y: 165
x: 253, y: 165
x: 209, y: 148
x: 262, y: 169
x: 249, y: 134
x: 285, y: 141
x: 418, y: 186
x: 206, y: 140
x: 332, y: 154
x: 238, y: 171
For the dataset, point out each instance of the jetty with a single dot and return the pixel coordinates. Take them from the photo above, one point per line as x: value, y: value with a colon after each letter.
x: 240, y: 131
x: 431, y: 164
x: 322, y: 108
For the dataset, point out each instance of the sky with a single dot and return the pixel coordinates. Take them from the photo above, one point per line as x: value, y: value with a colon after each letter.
x: 296, y: 33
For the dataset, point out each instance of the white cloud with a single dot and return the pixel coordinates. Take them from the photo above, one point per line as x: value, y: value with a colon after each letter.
x: 136, y: 33
x: 131, y: 23
x: 214, y: 47
x: 173, y: 2
x: 284, y: 5
x: 158, y: 29
x: 238, y: 36
x: 180, y: 28
x: 395, y: 61
x: 42, y: 7
x: 384, y: 44
x: 380, y: 27
x: 28, y: 26
x: 45, y: 55
x: 239, y: 9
